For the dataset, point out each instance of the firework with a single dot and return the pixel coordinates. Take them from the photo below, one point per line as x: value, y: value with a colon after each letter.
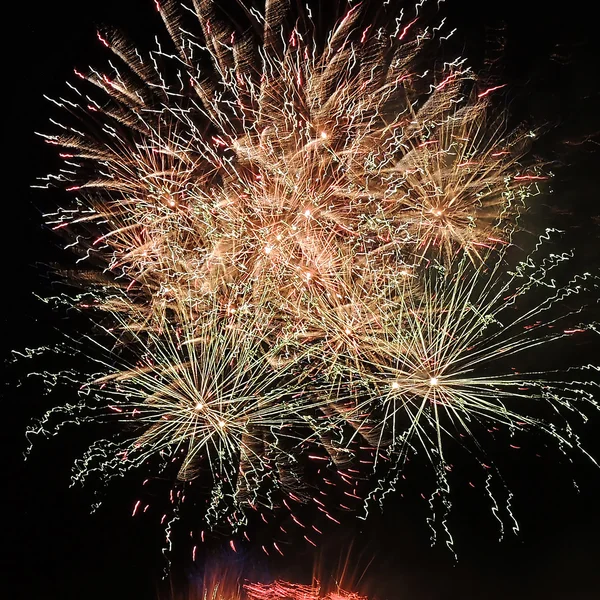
x: 474, y: 345
x: 217, y: 582
x: 258, y: 184
x: 298, y: 253
x: 284, y: 590
x: 333, y: 582
x: 222, y: 585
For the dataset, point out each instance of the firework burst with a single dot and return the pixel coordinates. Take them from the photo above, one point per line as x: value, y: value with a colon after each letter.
x: 451, y: 354
x: 300, y: 251
x: 258, y: 182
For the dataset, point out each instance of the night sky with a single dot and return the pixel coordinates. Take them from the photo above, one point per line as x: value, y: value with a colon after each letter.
x: 54, y: 549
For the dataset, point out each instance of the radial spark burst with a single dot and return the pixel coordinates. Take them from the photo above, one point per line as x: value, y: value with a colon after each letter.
x: 475, y: 345
x: 299, y: 256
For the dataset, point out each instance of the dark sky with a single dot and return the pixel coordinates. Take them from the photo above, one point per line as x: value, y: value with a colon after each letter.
x: 53, y: 549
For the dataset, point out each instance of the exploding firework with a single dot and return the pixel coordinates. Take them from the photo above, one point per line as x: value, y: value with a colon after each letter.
x: 225, y: 587
x: 283, y: 590
x: 299, y: 253
x: 259, y: 184
x: 475, y: 347
x: 327, y: 583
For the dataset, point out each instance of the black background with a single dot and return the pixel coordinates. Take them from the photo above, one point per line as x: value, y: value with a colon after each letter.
x: 53, y: 547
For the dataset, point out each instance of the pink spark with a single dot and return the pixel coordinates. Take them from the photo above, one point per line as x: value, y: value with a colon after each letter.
x: 364, y: 35
x: 490, y: 90
x: 445, y: 82
x: 405, y: 30
x: 529, y: 178
x: 102, y: 39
